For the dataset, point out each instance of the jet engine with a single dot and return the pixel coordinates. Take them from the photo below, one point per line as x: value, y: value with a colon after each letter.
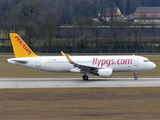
x: 105, y: 72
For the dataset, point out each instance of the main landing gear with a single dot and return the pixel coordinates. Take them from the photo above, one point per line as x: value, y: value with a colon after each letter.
x: 135, y: 76
x: 85, y: 77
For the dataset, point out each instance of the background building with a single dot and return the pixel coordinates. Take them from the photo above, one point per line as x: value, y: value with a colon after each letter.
x: 147, y: 15
x: 109, y: 14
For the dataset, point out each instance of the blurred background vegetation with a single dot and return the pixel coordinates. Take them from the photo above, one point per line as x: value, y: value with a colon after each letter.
x: 68, y: 25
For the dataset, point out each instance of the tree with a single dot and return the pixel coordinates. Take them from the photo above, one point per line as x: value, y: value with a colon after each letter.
x: 27, y: 13
x: 50, y: 26
x: 81, y: 26
x: 6, y: 7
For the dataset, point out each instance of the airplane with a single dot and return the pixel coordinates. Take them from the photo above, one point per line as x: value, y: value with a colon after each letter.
x: 102, y: 66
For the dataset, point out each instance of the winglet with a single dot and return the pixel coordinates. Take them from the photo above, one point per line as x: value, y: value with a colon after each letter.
x: 63, y: 53
x: 20, y: 48
x: 68, y: 58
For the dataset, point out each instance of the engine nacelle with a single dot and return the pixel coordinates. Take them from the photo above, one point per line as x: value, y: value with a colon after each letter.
x: 105, y: 72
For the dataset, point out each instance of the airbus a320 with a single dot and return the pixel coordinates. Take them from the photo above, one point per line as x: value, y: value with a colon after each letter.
x: 102, y: 66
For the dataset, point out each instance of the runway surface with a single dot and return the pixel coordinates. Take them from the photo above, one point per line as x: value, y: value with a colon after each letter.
x: 77, y: 82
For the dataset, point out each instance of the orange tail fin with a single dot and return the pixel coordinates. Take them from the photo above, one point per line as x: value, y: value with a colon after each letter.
x: 20, y: 48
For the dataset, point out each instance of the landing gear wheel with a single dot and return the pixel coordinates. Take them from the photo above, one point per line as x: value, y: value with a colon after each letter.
x: 135, y: 76
x: 85, y: 77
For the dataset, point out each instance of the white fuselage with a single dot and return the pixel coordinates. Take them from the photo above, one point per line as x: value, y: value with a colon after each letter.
x: 61, y: 64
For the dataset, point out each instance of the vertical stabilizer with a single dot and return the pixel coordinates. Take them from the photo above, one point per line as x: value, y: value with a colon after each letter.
x: 20, y: 48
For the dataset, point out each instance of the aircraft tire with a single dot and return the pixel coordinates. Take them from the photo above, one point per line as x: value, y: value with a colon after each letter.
x: 135, y: 77
x: 85, y: 77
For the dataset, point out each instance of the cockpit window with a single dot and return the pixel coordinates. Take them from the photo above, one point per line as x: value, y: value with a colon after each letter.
x: 146, y: 60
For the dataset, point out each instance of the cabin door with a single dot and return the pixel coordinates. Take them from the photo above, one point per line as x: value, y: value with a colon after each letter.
x: 38, y: 62
x: 136, y: 61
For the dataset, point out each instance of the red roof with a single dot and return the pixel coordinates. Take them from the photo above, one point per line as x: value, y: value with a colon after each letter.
x: 147, y: 12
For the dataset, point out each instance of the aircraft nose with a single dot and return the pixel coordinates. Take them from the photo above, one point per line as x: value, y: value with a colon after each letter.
x: 153, y: 65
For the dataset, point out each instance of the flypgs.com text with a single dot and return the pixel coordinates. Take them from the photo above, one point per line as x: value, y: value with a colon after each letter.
x: 109, y: 62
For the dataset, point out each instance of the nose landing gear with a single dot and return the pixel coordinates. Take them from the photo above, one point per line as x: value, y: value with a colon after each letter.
x: 135, y: 76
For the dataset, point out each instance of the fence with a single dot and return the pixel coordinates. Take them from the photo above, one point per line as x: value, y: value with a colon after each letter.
x: 78, y: 50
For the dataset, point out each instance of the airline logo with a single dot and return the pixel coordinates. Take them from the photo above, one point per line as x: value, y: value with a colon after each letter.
x: 109, y: 62
x: 25, y: 47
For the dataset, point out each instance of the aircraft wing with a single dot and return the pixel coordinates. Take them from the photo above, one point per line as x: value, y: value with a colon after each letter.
x: 84, y: 67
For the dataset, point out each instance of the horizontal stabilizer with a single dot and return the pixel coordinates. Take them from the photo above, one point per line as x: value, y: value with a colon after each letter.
x: 21, y: 61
